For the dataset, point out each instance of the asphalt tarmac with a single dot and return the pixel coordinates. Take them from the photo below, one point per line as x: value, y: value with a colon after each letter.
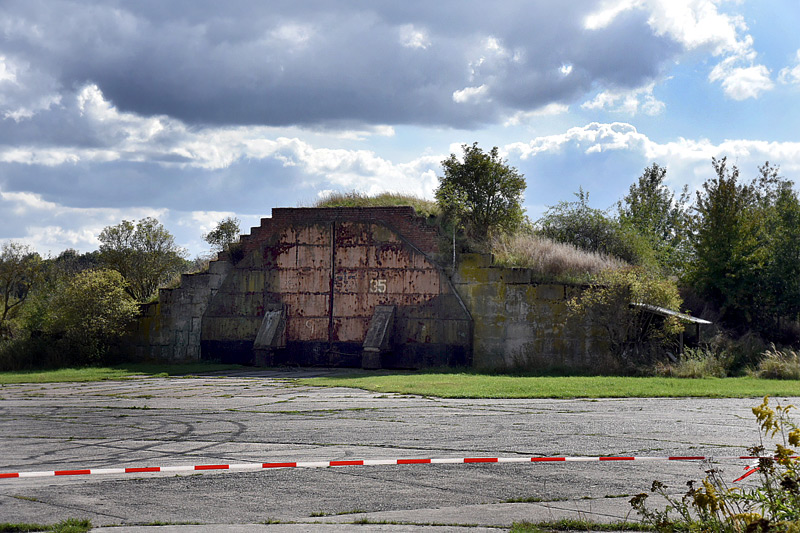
x: 265, y: 416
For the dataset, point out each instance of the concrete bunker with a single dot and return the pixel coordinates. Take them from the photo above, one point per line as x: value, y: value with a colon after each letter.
x: 361, y: 287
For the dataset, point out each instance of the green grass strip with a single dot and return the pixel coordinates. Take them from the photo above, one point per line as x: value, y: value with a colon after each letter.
x: 71, y: 525
x: 467, y: 385
x: 127, y: 371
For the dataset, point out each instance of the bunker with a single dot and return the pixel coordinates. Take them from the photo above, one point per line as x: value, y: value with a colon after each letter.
x: 323, y: 286
x: 362, y: 287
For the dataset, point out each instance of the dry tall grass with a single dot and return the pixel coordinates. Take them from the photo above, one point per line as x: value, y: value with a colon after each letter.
x: 550, y: 259
x: 778, y: 364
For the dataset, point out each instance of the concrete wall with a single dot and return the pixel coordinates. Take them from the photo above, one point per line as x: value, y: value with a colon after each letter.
x: 487, y: 316
x: 169, y: 328
x: 522, y: 324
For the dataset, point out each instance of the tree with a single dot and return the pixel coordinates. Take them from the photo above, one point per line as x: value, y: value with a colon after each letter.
x: 91, y: 312
x: 224, y: 234
x: 20, y: 269
x: 723, y: 240
x: 481, y: 193
x: 593, y: 230
x: 144, y: 253
x: 651, y: 208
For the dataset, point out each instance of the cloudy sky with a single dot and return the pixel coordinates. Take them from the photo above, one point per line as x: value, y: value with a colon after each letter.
x: 192, y: 110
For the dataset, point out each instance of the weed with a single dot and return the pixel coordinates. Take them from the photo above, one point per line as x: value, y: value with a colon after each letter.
x: 696, y: 363
x: 71, y: 525
x: 778, y: 364
x: 576, y: 525
x: 423, y: 207
x: 26, y: 498
x: 712, y: 505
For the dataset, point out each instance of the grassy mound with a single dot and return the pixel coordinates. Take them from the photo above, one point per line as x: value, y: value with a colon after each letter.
x: 388, y: 199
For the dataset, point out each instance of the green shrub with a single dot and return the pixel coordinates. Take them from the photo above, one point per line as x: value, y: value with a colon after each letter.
x: 695, y: 363
x: 742, y: 352
x: 778, y: 364
x: 594, y: 230
x: 633, y: 333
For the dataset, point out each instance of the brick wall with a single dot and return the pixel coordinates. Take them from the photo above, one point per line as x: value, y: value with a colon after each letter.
x: 403, y: 220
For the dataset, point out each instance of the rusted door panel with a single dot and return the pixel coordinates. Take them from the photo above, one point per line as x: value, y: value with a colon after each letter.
x: 313, y: 256
x: 289, y: 281
x: 307, y: 329
x: 315, y: 235
x: 421, y: 282
x: 350, y: 281
x: 350, y: 329
x: 391, y: 255
x: 353, y: 233
x: 286, y: 256
x: 313, y: 280
x: 307, y: 304
x: 351, y: 257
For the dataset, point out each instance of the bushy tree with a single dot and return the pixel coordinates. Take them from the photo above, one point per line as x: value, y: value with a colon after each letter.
x: 482, y: 193
x: 20, y: 269
x: 593, y: 230
x: 616, y: 302
x: 746, y: 248
x: 723, y: 239
x: 144, y: 253
x: 652, y: 210
x: 224, y: 234
x: 90, y: 312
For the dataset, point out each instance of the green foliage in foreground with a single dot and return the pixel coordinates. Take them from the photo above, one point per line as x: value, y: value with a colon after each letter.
x: 71, y: 525
x: 498, y: 386
x: 127, y: 371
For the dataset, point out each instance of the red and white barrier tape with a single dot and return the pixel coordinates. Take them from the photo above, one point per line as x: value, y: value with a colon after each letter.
x: 361, y: 462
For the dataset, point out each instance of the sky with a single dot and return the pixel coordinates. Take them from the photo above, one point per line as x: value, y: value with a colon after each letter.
x: 190, y: 111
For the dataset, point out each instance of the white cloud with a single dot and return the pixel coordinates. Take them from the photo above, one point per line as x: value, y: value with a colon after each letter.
x: 627, y: 101
x: 411, y: 37
x: 51, y: 227
x: 8, y: 73
x: 470, y: 95
x: 688, y: 160
x: 741, y: 83
x: 292, y: 34
x: 609, y: 10
x: 522, y: 117
x: 699, y: 24
x: 565, y: 69
x: 791, y: 74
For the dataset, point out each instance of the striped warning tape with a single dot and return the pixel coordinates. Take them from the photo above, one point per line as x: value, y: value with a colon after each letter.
x: 360, y: 462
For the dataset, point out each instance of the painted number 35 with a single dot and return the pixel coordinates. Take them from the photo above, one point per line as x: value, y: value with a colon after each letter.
x: 377, y: 285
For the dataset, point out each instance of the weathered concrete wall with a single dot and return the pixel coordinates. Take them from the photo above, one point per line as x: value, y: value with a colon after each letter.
x: 327, y: 270
x: 522, y: 324
x: 169, y: 329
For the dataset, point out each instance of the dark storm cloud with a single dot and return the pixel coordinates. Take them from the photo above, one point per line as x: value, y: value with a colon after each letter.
x: 311, y: 63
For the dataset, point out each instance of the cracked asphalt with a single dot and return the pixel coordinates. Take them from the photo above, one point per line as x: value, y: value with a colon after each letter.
x: 266, y: 416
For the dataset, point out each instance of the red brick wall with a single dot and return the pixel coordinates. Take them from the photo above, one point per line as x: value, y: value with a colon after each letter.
x: 403, y: 220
